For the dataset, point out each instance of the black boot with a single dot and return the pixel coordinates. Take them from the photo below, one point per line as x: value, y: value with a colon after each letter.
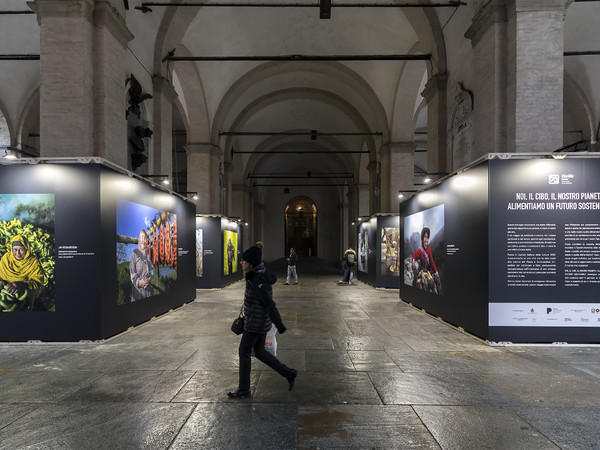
x: 238, y: 393
x: 291, y: 377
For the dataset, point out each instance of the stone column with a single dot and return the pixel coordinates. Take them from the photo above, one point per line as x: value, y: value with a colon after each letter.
x: 435, y: 94
x: 535, y: 75
x: 203, y: 175
x: 66, y: 77
x: 242, y: 198
x: 488, y: 39
x: 161, y: 161
x: 233, y: 203
x: 397, y: 173
x: 257, y: 232
x: 374, y: 188
x: 111, y: 36
x: 352, y: 215
x: 518, y: 47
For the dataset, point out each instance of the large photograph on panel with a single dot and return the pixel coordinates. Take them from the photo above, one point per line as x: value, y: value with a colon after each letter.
x: 146, y: 251
x: 390, y: 262
x: 27, y: 250
x: 363, y: 249
x: 199, y: 252
x: 424, y: 249
x: 545, y: 249
x: 230, y: 241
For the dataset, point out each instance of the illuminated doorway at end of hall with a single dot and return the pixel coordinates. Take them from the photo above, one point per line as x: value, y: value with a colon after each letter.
x: 301, y: 226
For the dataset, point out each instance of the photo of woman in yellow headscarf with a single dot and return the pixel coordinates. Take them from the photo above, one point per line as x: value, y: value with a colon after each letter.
x: 21, y: 276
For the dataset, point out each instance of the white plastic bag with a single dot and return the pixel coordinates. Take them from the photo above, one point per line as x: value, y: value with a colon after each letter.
x: 271, y: 342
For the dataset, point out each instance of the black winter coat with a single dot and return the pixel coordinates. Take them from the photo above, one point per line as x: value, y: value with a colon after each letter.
x: 259, y: 308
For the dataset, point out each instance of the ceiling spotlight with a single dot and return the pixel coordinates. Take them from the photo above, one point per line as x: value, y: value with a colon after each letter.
x: 427, y: 180
x: 164, y: 178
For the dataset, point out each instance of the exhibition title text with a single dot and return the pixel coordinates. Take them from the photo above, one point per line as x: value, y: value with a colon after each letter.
x: 565, y: 201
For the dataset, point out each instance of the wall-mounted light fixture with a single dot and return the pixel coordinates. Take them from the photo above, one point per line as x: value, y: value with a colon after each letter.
x: 193, y: 194
x: 164, y: 178
x: 405, y: 193
x: 428, y: 177
x: 10, y: 154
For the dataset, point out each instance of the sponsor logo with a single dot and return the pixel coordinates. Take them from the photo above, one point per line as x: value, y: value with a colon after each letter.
x: 567, y: 178
x: 584, y: 319
x: 553, y: 178
x: 595, y: 311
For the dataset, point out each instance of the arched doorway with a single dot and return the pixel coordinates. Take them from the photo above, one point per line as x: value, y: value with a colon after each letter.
x: 301, y: 226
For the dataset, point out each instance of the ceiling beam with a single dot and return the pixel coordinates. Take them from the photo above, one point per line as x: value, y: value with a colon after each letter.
x: 145, y: 6
x: 19, y: 57
x: 584, y: 53
x: 297, y: 133
x: 304, y: 185
x: 400, y: 57
x: 303, y: 152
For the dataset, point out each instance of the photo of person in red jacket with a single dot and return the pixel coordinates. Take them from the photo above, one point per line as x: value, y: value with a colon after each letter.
x: 424, y: 268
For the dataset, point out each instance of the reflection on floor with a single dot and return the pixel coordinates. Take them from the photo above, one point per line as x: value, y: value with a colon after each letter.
x: 374, y: 372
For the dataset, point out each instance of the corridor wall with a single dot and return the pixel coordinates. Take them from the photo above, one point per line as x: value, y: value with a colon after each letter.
x: 515, y: 240
x: 84, y: 225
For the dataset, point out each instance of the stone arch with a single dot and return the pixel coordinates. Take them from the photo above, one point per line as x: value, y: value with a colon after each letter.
x: 410, y: 81
x: 192, y: 90
x: 29, y: 123
x: 304, y: 93
x: 336, y: 70
x: 5, y: 134
x: 573, y: 90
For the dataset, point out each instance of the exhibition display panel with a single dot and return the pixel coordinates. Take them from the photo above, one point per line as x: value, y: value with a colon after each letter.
x: 378, y: 251
x: 101, y: 250
x: 218, y: 250
x: 509, y: 248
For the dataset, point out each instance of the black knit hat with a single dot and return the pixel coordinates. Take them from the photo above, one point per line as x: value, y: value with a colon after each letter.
x: 253, y: 256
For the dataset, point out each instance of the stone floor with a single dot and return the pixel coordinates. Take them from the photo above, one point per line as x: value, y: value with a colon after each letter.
x: 374, y: 372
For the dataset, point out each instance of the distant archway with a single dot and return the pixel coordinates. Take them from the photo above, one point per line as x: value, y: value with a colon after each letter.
x: 301, y: 226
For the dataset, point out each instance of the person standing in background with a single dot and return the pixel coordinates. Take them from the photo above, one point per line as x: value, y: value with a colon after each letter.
x: 348, y: 263
x: 291, y: 269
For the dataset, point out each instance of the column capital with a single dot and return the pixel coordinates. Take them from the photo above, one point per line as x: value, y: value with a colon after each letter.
x: 486, y: 16
x: 434, y: 85
x: 396, y: 147
x: 516, y: 6
x: 107, y: 16
x: 165, y: 87
x: 62, y: 8
x: 242, y: 188
x: 203, y: 149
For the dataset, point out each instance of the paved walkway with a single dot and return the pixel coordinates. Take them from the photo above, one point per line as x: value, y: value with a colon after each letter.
x: 373, y: 373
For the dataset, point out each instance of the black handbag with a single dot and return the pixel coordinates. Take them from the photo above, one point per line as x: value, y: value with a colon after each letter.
x: 238, y: 325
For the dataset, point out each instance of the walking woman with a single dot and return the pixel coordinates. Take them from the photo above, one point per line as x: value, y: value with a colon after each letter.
x: 260, y: 312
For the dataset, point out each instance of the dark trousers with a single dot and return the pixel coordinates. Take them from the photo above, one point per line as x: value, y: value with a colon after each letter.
x: 256, y: 341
